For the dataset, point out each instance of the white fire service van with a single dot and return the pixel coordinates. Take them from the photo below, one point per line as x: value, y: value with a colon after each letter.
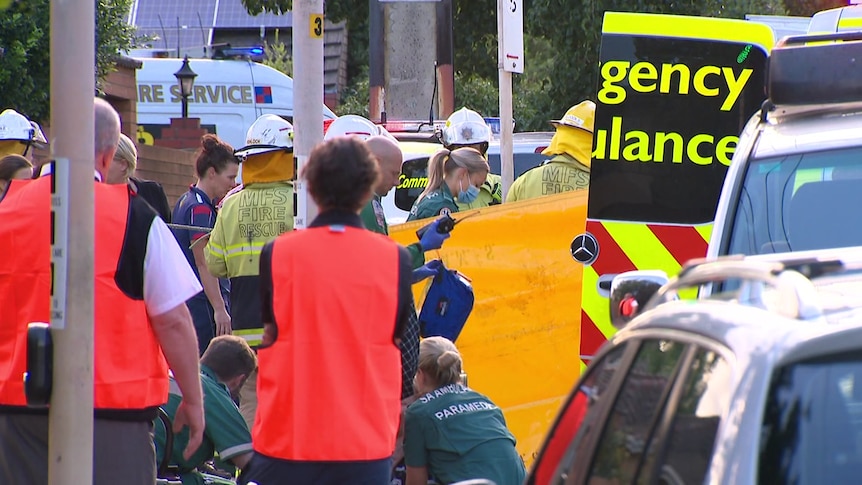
x: 228, y: 95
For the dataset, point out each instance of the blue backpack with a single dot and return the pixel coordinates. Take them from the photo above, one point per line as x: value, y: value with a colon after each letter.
x: 447, y: 305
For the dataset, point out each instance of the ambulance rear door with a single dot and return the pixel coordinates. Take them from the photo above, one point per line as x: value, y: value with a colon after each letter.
x: 673, y: 95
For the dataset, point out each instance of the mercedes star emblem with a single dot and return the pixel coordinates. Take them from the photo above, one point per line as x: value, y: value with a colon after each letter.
x: 585, y: 249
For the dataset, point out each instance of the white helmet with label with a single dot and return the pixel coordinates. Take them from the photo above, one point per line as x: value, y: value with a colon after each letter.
x: 268, y: 133
x: 465, y: 127
x: 15, y: 126
x: 351, y: 125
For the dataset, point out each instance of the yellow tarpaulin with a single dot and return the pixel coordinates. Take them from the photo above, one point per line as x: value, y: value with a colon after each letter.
x: 520, y: 344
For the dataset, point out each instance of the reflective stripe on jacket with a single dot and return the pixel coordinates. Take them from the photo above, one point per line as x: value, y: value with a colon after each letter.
x: 248, y: 219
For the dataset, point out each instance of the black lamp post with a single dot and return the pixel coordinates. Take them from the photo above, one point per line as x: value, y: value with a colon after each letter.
x: 186, y: 78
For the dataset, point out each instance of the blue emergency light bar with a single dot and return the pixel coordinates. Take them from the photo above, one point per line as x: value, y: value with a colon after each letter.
x: 255, y: 53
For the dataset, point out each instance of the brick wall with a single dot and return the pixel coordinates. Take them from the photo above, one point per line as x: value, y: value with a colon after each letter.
x: 174, y: 169
x: 121, y: 91
x: 184, y: 133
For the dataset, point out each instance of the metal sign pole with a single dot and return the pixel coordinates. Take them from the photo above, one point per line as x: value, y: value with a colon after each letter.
x: 70, y: 419
x: 510, y: 39
x: 307, y: 95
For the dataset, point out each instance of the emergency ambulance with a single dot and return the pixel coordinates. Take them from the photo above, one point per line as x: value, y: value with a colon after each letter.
x: 228, y: 96
x: 673, y: 95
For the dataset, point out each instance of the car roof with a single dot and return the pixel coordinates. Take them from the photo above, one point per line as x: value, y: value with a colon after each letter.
x: 752, y: 331
x: 830, y: 128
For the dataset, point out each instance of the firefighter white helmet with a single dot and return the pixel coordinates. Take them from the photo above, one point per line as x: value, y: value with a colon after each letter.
x: 268, y: 133
x: 16, y: 127
x: 465, y: 127
x: 351, y: 125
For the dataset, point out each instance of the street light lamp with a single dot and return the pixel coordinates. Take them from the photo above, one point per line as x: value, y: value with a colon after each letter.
x: 186, y: 78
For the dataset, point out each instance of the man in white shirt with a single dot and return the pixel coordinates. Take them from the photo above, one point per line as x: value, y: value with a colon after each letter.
x: 142, y: 283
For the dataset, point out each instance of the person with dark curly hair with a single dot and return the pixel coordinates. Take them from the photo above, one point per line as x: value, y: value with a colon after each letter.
x: 335, y: 299
x: 216, y: 168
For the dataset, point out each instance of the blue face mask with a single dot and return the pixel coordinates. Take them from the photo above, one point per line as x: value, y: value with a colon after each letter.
x: 469, y: 195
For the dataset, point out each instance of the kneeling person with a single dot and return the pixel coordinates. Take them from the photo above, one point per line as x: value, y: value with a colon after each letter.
x: 452, y: 432
x: 225, y: 365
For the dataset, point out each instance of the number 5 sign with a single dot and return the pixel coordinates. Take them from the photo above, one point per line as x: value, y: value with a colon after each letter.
x: 512, y: 43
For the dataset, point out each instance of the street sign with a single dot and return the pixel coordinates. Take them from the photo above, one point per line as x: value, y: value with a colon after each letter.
x: 512, y: 53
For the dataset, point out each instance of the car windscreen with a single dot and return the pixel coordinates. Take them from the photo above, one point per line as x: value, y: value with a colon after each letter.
x: 799, y: 202
x: 812, y: 422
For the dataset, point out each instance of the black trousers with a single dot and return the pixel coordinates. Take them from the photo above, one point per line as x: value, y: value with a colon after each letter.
x: 123, y: 451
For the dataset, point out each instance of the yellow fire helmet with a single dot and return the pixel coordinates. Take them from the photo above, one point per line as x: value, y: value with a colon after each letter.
x: 17, y: 133
x: 581, y: 115
x: 574, y: 135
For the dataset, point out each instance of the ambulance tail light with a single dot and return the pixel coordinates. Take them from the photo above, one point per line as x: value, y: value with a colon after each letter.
x: 816, y: 69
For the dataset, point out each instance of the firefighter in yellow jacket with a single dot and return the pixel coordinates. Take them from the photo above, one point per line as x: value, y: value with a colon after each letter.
x: 569, y: 168
x: 248, y: 219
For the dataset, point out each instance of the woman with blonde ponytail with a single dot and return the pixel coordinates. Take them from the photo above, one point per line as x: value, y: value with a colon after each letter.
x: 453, y: 433
x: 457, y: 173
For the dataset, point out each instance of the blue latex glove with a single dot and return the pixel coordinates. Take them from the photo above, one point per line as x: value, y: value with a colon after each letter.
x: 432, y: 239
x: 427, y: 270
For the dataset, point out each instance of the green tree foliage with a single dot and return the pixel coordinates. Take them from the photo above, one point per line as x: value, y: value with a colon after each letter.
x: 24, y: 64
x: 806, y: 8
x: 113, y: 34
x: 576, y: 32
x: 355, y: 12
x: 561, y: 48
x: 277, y: 56
x: 355, y: 97
x: 25, y: 43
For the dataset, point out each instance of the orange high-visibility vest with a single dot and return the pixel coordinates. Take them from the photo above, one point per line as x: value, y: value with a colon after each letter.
x: 329, y: 387
x: 130, y: 370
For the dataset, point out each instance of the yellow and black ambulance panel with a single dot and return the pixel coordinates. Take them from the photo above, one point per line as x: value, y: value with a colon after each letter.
x: 673, y: 95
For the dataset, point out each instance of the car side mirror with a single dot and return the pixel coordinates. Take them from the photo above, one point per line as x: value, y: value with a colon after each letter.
x: 630, y: 292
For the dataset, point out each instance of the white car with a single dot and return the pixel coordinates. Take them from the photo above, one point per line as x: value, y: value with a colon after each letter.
x: 761, y: 383
x: 526, y: 147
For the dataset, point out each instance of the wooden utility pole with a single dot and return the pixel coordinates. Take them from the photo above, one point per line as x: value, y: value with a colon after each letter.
x: 70, y: 451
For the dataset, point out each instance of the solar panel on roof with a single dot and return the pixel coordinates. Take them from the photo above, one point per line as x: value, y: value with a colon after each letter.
x: 231, y: 14
x: 187, y: 12
x: 167, y: 39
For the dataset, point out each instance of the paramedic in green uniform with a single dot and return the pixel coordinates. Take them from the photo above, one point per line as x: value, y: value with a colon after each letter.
x: 225, y: 365
x: 389, y: 159
x: 458, y: 172
x: 453, y: 433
